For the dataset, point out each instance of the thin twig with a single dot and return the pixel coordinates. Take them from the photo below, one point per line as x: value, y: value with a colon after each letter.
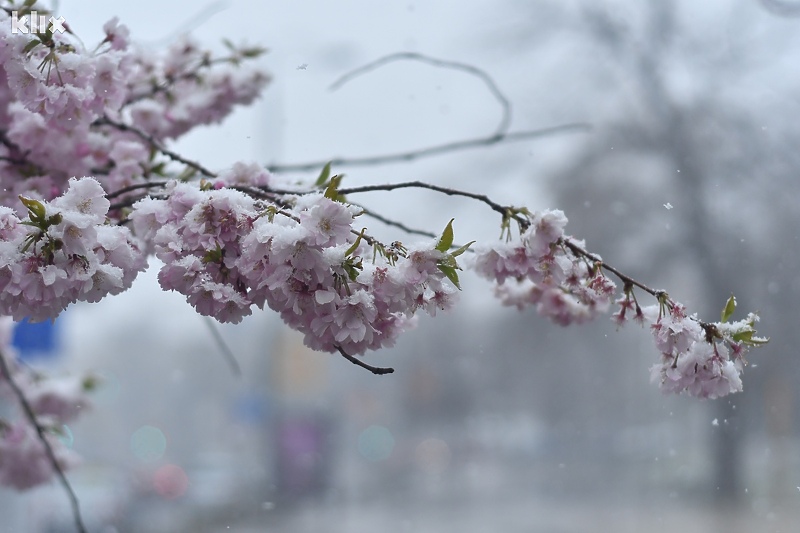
x: 378, y: 371
x: 156, y: 145
x: 577, y: 250
x: 40, y: 432
x: 430, y: 151
x: 505, y: 120
x: 396, y: 224
x: 227, y: 353
x: 506, y: 211
x: 503, y: 210
x: 135, y: 187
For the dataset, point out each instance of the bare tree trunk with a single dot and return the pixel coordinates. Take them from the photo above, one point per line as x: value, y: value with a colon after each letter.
x: 700, y: 238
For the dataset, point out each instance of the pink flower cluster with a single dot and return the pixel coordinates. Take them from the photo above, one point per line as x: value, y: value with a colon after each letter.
x: 544, y: 272
x: 24, y: 462
x: 61, y: 105
x: 67, y: 111
x: 227, y: 252
x: 68, y: 86
x: 63, y: 252
x: 234, y: 242
x: 689, y: 362
x: 192, y: 98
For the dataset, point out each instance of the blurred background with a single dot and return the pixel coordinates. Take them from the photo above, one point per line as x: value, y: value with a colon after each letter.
x: 494, y: 420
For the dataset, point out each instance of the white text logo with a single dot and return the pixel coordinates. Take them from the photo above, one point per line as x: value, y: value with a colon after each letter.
x: 38, y: 23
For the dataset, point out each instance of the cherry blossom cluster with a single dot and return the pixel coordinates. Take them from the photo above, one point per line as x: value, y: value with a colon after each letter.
x: 226, y: 252
x: 68, y: 111
x: 235, y: 240
x: 63, y: 252
x: 703, y: 360
x: 191, y: 97
x: 55, y: 402
x: 552, y: 271
x: 539, y: 269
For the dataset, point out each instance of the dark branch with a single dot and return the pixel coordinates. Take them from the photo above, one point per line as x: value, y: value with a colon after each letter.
x: 431, y: 151
x: 40, y: 432
x: 577, y: 250
x: 507, y: 212
x: 156, y: 145
x: 135, y: 187
x: 503, y: 210
x: 379, y: 371
x: 397, y: 224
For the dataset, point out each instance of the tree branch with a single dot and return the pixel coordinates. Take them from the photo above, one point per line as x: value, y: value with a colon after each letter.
x: 396, y: 224
x: 503, y: 210
x: 505, y: 120
x: 500, y: 135
x: 135, y: 187
x: 156, y: 145
x: 506, y: 211
x: 379, y: 371
x: 577, y: 250
x: 431, y: 151
x: 40, y: 432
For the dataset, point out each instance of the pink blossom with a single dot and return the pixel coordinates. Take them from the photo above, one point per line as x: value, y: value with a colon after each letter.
x: 24, y: 462
x: 117, y: 34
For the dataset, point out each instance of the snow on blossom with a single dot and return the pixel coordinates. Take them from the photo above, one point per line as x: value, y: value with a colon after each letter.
x: 61, y: 258
x: 690, y: 362
x: 537, y: 269
x: 225, y: 252
x: 330, y: 222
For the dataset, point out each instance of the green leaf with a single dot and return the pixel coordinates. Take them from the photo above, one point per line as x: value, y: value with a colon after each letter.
x: 31, y: 45
x: 159, y: 169
x: 743, y: 336
x: 446, y: 240
x: 462, y: 249
x: 730, y: 307
x: 352, y: 268
x: 449, y: 261
x: 36, y: 209
x: 324, y: 175
x: 354, y: 247
x: 186, y: 174
x: 332, y: 191
x: 451, y: 274
x: 253, y: 51
x: 90, y: 383
x: 213, y: 256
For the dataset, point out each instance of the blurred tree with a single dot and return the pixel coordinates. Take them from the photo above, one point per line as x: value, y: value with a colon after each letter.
x: 677, y: 148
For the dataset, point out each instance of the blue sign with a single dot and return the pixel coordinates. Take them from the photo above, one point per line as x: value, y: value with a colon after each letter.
x: 35, y: 340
